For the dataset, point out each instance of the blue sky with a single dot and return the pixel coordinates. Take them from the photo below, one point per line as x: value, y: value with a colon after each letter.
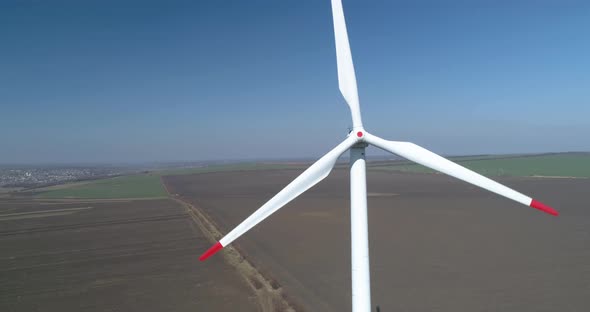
x: 126, y: 81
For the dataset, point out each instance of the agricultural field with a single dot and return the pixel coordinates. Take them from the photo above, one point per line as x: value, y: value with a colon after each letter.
x: 552, y: 165
x: 437, y: 244
x: 231, y: 167
x: 112, y: 255
x: 131, y: 243
x: 147, y: 185
x: 133, y: 186
x: 118, y: 244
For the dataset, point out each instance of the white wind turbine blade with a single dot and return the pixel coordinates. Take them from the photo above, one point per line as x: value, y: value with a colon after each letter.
x: 431, y: 160
x: 310, y: 177
x: 346, y: 75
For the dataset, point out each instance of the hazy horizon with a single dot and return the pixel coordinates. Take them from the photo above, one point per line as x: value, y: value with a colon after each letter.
x: 144, y: 82
x: 370, y: 157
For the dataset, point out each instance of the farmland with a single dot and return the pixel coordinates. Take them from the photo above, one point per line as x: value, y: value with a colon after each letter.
x: 145, y: 185
x: 149, y: 185
x: 116, y: 244
x: 552, y: 165
x: 437, y: 244
x: 134, y: 186
x: 118, y: 255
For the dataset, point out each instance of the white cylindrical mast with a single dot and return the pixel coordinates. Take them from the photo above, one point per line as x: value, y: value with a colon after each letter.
x: 361, y: 280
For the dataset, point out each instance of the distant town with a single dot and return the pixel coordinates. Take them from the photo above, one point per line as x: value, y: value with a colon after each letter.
x: 33, y: 176
x: 27, y: 177
x: 17, y: 177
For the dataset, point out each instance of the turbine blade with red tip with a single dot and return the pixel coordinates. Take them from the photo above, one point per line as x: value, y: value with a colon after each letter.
x: 310, y: 177
x: 431, y: 160
x: 211, y: 251
x: 539, y: 205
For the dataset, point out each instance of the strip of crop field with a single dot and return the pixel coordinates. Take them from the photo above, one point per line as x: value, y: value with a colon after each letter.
x: 142, y: 185
x: 556, y: 165
x: 134, y: 186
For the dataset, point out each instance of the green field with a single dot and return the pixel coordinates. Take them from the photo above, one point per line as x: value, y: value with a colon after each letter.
x: 230, y: 167
x: 134, y: 186
x: 150, y: 186
x: 554, y: 165
x: 141, y: 185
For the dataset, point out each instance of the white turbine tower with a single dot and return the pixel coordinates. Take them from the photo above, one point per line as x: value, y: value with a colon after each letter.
x: 356, y: 142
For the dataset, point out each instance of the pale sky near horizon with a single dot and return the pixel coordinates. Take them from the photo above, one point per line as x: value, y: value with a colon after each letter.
x: 136, y: 81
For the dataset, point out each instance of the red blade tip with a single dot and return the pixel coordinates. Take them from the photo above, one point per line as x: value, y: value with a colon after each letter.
x: 539, y: 205
x: 211, y: 251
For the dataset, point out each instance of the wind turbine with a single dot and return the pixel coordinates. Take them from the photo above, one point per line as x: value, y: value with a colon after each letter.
x: 358, y: 139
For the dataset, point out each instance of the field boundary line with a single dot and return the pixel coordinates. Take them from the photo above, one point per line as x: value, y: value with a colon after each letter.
x: 270, y: 295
